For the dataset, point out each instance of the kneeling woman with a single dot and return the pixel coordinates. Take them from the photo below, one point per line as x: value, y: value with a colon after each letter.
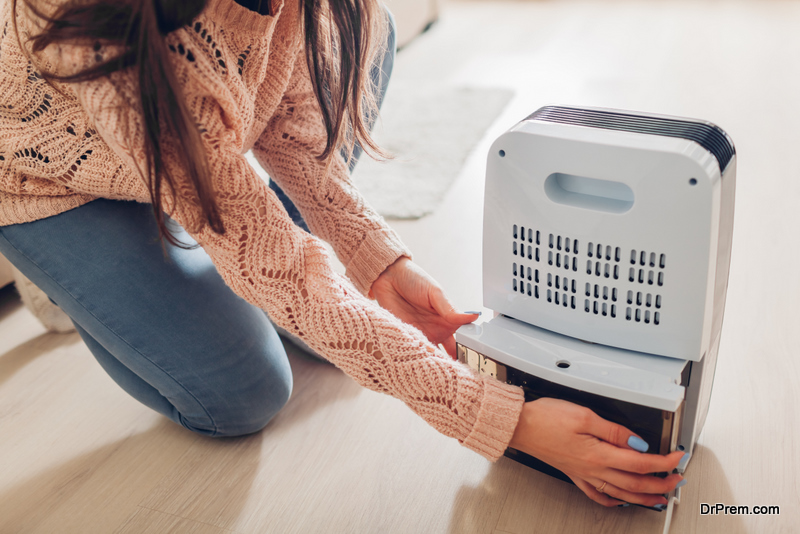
x: 124, y: 121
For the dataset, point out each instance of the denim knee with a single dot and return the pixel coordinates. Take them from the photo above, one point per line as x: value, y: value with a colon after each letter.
x: 242, y: 415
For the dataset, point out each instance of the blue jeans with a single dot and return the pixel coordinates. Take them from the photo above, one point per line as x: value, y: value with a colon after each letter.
x: 167, y: 330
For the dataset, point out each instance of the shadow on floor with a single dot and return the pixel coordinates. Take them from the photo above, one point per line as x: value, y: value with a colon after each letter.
x: 18, y: 357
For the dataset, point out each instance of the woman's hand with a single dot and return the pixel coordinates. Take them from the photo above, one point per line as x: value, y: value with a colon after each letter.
x: 594, y: 453
x: 415, y: 298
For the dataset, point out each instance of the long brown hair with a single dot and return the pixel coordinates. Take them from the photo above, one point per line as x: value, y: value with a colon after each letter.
x: 340, y: 44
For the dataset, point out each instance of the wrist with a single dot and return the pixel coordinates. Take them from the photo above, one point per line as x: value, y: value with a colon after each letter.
x: 393, y: 267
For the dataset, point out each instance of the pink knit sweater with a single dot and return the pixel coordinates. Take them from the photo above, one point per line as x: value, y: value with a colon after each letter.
x: 246, y: 83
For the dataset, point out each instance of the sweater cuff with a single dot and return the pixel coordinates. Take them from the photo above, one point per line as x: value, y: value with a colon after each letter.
x: 497, y: 419
x: 379, y: 250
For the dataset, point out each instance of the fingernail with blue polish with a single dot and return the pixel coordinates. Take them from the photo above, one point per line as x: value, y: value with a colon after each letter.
x: 473, y: 312
x: 681, y: 483
x: 623, y: 505
x: 684, y: 461
x: 660, y: 507
x: 638, y: 444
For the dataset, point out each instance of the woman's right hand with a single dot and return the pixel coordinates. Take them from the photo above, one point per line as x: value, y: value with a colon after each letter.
x: 594, y: 453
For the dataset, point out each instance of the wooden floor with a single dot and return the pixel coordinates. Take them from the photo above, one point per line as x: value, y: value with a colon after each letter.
x: 78, y: 455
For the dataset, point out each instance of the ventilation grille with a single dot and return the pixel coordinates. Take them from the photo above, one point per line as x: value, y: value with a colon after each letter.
x: 709, y: 136
x: 616, y: 284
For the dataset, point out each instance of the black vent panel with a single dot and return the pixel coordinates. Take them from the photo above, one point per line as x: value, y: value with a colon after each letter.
x: 709, y: 136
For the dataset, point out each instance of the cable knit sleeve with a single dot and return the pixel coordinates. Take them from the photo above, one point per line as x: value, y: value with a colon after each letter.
x: 265, y: 258
x: 262, y: 255
x: 326, y: 197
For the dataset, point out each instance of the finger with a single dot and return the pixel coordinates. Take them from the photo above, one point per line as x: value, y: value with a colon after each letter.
x: 449, y: 344
x: 641, y: 484
x: 615, y: 434
x: 592, y: 493
x: 637, y: 462
x: 627, y: 444
x: 458, y: 320
x: 614, y: 492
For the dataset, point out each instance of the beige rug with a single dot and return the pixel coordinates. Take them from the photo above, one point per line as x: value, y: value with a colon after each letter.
x: 431, y: 130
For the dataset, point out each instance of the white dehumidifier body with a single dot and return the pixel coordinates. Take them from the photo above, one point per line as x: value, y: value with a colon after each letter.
x: 606, y: 247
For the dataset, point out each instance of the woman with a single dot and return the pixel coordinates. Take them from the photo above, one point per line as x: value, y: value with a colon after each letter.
x: 109, y: 106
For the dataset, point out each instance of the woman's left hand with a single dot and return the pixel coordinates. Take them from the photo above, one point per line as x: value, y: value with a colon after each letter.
x: 415, y: 298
